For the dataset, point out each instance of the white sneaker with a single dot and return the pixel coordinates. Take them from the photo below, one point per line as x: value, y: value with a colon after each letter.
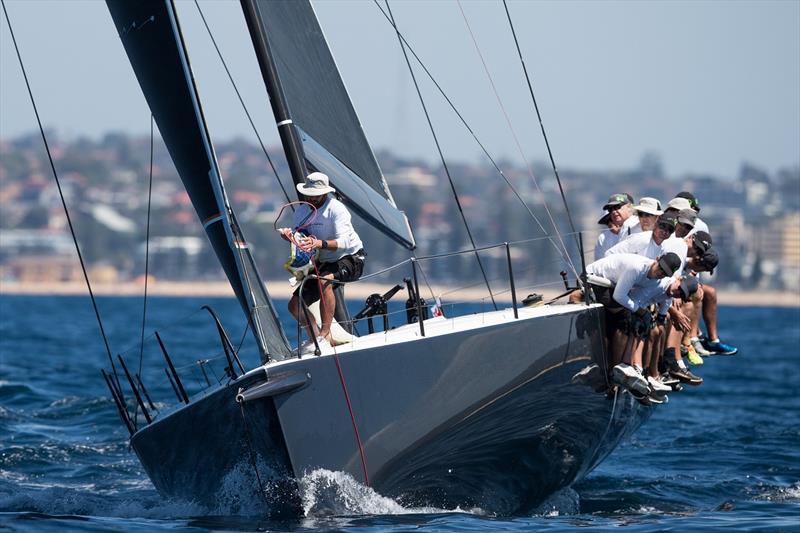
x: 657, y: 386
x: 630, y: 377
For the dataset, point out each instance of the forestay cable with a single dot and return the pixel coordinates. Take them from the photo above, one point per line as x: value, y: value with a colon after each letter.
x: 441, y: 155
x: 244, y: 107
x: 516, y: 139
x: 546, y: 142
x: 61, y: 195
x: 146, y: 262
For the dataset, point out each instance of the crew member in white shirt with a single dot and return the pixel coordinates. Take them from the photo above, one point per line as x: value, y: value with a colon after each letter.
x: 329, y: 229
x: 607, y: 238
x: 621, y: 219
x: 647, y: 211
x: 627, y: 318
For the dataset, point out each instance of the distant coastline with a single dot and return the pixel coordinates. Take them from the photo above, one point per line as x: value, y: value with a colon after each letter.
x: 359, y: 291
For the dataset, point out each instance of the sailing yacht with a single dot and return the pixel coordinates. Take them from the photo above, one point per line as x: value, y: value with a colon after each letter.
x: 495, y: 410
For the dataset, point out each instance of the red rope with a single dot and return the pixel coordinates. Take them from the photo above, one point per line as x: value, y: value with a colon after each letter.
x: 344, y: 384
x: 335, y: 355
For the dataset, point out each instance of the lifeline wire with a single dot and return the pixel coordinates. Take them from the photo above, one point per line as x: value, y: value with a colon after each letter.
x: 514, y: 135
x: 441, y: 155
x: 241, y: 101
x: 468, y: 127
x: 63, y: 201
x: 544, y: 135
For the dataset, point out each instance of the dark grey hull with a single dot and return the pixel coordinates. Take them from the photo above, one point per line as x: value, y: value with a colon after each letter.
x: 496, y: 416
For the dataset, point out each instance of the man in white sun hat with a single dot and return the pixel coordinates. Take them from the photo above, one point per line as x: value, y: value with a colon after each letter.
x: 648, y: 211
x: 327, y: 228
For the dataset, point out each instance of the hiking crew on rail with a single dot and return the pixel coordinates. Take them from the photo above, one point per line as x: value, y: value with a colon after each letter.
x: 646, y: 273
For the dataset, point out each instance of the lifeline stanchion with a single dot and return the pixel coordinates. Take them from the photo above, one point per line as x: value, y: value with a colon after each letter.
x: 511, y: 281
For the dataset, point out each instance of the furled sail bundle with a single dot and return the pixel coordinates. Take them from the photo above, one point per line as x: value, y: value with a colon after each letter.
x: 152, y: 39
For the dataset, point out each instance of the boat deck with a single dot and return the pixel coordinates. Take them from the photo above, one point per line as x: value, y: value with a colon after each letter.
x: 438, y: 326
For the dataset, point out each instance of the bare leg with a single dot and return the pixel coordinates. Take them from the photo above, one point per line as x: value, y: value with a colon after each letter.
x: 297, y: 313
x: 617, y: 347
x: 637, y: 347
x: 710, y: 311
x: 630, y: 347
x: 692, y: 310
x: 327, y: 306
x: 652, y: 350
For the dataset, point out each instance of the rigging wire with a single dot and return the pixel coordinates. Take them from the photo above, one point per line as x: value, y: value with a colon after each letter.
x: 146, y: 262
x: 63, y: 201
x: 244, y: 107
x: 441, y: 155
x: 468, y: 128
x: 546, y: 141
x: 516, y: 138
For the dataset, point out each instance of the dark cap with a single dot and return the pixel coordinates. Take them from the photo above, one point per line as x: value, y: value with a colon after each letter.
x: 688, y: 287
x: 709, y: 260
x: 605, y: 218
x: 668, y: 218
x: 669, y: 263
x: 687, y: 217
x: 702, y: 242
x: 693, y: 202
x: 618, y: 199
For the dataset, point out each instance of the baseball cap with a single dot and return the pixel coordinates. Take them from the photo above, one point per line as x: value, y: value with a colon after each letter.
x: 679, y: 204
x: 688, y: 287
x: 617, y: 199
x: 669, y: 263
x: 604, y: 219
x: 702, y: 241
x: 709, y: 260
x: 668, y: 218
x: 693, y: 202
x: 687, y: 216
x: 648, y: 205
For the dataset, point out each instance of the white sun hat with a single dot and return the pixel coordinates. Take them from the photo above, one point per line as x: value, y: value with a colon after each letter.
x: 649, y: 205
x: 316, y: 184
x: 679, y: 204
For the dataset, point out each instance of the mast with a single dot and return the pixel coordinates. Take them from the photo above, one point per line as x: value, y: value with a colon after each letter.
x: 153, y: 41
x: 266, y: 62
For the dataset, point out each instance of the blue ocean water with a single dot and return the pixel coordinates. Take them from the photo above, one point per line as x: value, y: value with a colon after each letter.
x: 725, y: 455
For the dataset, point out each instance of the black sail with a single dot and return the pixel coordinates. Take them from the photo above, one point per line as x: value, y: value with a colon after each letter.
x: 151, y: 35
x: 327, y: 132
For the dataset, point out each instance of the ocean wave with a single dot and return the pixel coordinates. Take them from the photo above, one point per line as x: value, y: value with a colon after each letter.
x: 327, y: 493
x: 70, y: 501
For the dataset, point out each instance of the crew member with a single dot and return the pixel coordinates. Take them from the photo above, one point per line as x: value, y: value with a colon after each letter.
x: 329, y: 229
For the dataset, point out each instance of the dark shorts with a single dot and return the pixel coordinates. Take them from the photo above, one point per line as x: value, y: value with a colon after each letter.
x: 617, y: 317
x: 348, y: 268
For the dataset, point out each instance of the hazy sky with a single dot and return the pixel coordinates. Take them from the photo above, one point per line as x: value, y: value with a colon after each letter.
x: 706, y: 84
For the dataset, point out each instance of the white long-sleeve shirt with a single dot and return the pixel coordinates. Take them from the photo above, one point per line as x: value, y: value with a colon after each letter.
x: 332, y: 222
x: 643, y: 244
x: 631, y: 226
x: 605, y: 240
x: 626, y: 271
x: 639, y: 243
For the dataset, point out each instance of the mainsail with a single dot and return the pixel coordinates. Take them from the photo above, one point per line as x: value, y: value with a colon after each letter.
x: 325, y: 135
x: 154, y: 44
